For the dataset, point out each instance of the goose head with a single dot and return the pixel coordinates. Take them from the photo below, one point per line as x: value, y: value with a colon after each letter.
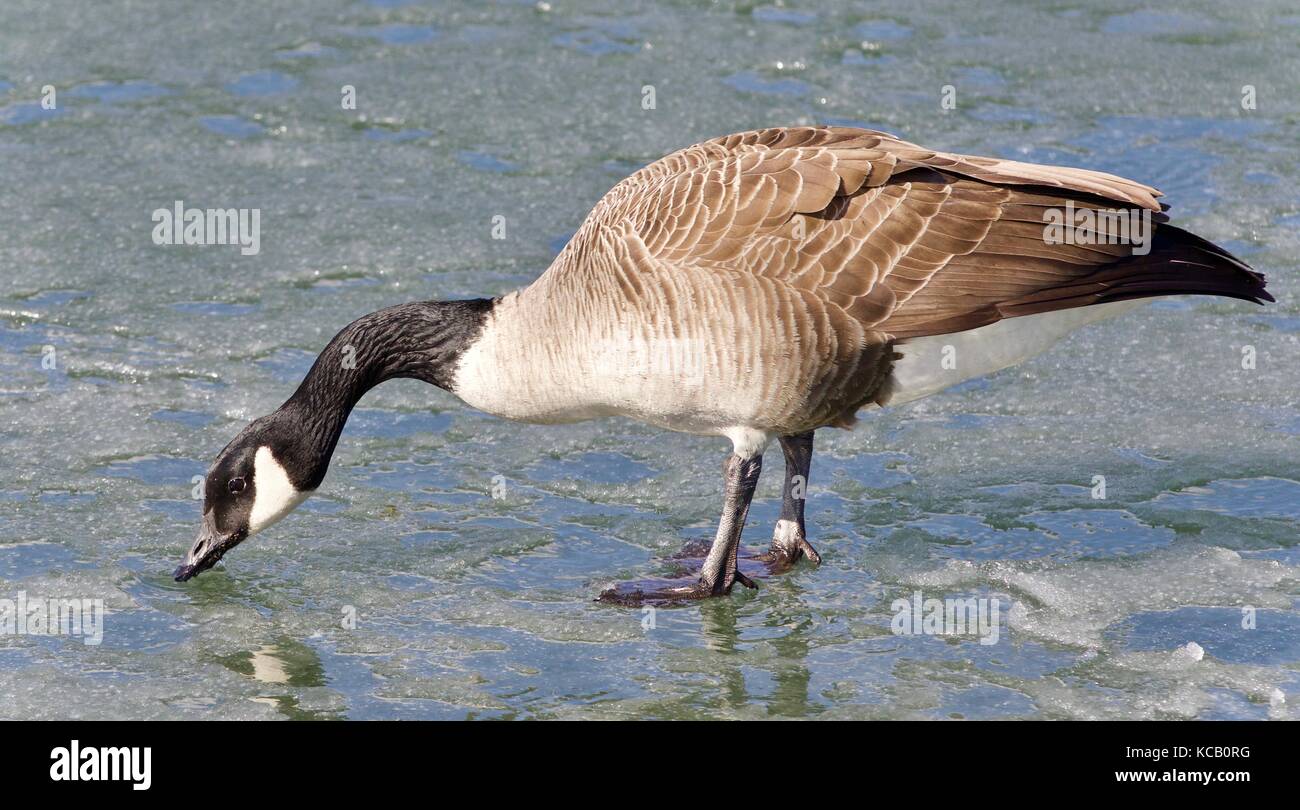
x: 278, y: 460
x: 249, y: 487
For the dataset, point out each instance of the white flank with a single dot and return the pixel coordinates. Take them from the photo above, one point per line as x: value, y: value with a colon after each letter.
x: 931, y: 364
x: 274, y: 495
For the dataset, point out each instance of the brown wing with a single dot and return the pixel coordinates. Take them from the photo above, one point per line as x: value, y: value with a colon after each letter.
x: 866, y: 238
x: 906, y: 239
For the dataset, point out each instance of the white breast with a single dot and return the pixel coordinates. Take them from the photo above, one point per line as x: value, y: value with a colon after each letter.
x: 522, y: 367
x: 542, y: 358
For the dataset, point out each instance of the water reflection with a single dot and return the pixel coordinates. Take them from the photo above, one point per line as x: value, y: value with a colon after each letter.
x: 771, y: 668
x: 285, y: 663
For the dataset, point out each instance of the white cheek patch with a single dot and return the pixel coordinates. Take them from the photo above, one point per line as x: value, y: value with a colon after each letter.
x: 274, y: 496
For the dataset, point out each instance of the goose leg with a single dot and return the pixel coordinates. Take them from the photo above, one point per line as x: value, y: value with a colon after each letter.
x: 789, y: 539
x: 719, y: 570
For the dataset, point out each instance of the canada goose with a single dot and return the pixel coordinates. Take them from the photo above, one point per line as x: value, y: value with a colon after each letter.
x: 756, y: 286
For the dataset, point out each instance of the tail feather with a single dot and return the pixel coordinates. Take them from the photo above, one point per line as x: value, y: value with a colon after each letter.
x: 1179, y: 263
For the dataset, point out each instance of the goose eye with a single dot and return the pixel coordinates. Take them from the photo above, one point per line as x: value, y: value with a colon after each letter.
x: 236, y: 486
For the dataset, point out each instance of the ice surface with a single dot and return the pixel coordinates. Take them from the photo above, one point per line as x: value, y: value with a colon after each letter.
x: 466, y: 605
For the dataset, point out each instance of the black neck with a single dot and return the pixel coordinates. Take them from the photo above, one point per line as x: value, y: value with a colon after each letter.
x: 420, y: 340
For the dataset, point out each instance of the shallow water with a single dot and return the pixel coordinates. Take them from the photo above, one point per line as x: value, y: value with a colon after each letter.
x: 467, y: 605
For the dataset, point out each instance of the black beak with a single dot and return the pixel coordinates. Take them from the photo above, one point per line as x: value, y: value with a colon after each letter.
x: 210, y: 546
